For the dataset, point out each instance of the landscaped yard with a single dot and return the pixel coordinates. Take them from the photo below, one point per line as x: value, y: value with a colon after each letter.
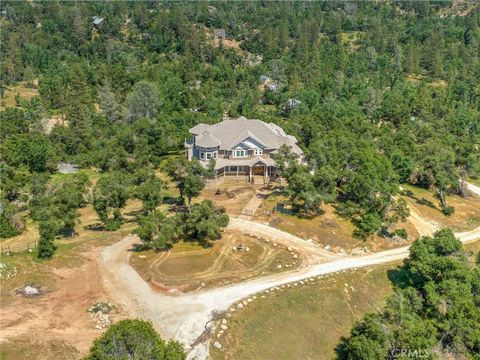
x: 303, y: 322
x: 465, y: 217
x: 188, y: 266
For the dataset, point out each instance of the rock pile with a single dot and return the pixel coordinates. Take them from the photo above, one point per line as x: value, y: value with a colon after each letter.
x: 358, y: 251
x: 98, y: 314
x: 30, y: 290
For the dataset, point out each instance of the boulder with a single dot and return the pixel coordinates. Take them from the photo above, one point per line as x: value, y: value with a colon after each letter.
x: 217, y: 345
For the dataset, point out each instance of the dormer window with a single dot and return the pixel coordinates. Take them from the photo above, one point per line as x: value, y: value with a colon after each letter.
x: 240, y: 153
x: 258, y: 151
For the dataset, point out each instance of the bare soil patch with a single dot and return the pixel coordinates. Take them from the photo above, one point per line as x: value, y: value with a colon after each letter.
x: 56, y: 324
x: 230, y: 195
x: 227, y: 43
x: 189, y: 267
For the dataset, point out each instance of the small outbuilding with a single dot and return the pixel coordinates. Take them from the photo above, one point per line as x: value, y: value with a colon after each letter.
x: 219, y: 34
x: 97, y: 21
x: 292, y: 104
x: 67, y: 168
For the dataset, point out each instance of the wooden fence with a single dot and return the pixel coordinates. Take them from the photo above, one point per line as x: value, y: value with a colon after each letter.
x: 8, y: 249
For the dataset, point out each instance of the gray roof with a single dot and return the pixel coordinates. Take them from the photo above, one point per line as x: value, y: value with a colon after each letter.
x: 97, y: 20
x: 207, y: 140
x: 219, y: 33
x: 198, y: 129
x: 231, y: 132
x: 67, y: 168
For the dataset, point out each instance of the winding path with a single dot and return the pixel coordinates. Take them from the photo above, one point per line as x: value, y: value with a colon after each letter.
x: 184, y: 317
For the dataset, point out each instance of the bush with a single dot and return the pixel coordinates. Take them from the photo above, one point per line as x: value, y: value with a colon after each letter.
x: 134, y: 339
x: 46, y: 247
x: 401, y: 232
x: 448, y: 210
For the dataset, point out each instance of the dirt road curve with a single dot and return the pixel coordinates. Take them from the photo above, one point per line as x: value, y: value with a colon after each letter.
x: 184, y: 317
x: 473, y: 188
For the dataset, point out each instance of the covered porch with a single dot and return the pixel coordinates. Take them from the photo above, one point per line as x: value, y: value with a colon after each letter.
x: 256, y: 170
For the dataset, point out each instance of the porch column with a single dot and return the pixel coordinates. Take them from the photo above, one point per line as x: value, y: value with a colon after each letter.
x: 250, y: 174
x: 236, y: 178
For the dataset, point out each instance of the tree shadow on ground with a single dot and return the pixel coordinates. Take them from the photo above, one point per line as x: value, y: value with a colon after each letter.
x: 95, y: 227
x: 399, y: 277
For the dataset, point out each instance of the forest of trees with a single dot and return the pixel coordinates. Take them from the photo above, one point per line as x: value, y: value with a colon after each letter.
x: 389, y: 94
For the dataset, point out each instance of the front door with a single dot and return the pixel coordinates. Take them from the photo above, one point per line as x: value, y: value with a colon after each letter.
x: 258, y: 170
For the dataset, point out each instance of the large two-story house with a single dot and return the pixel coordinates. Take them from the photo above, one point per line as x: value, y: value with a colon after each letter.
x: 242, y: 148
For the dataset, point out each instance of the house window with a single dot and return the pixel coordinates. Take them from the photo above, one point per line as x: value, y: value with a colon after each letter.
x: 258, y: 151
x: 239, y: 153
x: 208, y: 155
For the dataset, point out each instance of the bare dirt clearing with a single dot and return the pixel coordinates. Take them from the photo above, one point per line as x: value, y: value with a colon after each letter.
x: 230, y: 195
x: 236, y: 257
x: 21, y: 90
x: 54, y: 325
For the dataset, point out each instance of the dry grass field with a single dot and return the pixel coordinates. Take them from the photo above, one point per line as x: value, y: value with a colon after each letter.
x: 307, y: 321
x: 327, y: 229
x: 303, y: 322
x: 465, y: 217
